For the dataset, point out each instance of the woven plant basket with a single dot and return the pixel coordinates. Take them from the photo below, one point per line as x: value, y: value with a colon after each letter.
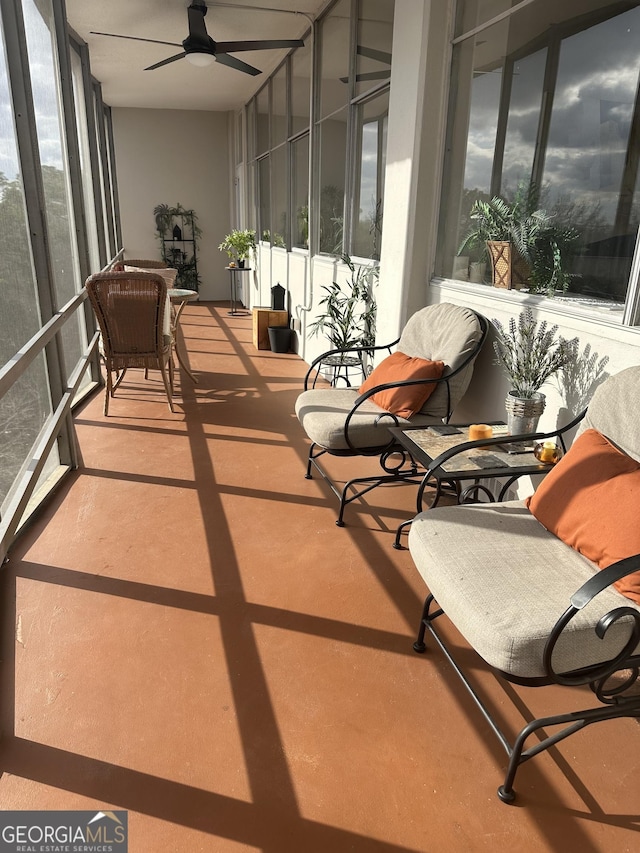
x: 510, y: 270
x: 523, y: 413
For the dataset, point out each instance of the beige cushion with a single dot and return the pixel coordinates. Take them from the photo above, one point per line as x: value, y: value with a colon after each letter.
x: 442, y: 332
x: 447, y: 333
x: 613, y: 411
x: 504, y: 580
x: 323, y: 411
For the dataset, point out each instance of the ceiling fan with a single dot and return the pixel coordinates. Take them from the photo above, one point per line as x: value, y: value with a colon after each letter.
x: 200, y: 49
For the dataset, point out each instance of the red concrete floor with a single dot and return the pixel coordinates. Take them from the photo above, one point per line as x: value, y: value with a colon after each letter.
x: 188, y: 636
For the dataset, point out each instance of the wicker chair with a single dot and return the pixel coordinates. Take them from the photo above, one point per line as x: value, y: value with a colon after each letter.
x: 130, y: 309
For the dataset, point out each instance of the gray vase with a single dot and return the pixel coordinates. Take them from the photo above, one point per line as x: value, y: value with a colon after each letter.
x: 523, y: 413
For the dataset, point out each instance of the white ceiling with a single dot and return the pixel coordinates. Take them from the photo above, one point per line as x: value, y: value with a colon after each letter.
x: 119, y: 63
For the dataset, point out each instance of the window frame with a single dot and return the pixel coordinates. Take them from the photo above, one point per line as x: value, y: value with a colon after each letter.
x: 552, y: 41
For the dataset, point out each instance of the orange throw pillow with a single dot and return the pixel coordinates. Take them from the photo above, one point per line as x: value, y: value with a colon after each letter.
x: 408, y: 399
x: 590, y: 501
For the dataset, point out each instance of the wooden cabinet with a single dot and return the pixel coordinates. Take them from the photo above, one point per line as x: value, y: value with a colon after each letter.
x: 262, y: 319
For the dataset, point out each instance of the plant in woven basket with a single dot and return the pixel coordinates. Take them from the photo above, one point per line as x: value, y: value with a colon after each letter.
x: 540, y: 244
x: 530, y: 353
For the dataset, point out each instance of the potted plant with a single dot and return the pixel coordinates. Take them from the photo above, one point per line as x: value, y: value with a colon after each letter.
x: 348, y: 316
x: 529, y: 353
x: 525, y: 243
x: 349, y: 310
x: 238, y: 245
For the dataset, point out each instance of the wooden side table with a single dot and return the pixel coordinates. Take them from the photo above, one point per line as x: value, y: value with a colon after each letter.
x: 262, y: 319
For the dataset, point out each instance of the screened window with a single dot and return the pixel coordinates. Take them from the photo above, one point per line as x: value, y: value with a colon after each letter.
x: 373, y: 50
x: 279, y: 111
x: 333, y: 147
x: 300, y: 88
x: 372, y: 141
x: 335, y: 53
x: 473, y: 13
x: 85, y: 160
x: 328, y: 197
x: 38, y: 26
x: 300, y: 191
x: 551, y: 101
x: 264, y: 195
x: 24, y: 409
x: 280, y: 224
x: 262, y: 120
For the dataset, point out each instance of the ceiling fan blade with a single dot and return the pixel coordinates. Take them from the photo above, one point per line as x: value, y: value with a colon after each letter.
x: 369, y: 75
x: 371, y: 53
x: 238, y: 64
x: 135, y: 38
x: 165, y: 61
x: 267, y: 44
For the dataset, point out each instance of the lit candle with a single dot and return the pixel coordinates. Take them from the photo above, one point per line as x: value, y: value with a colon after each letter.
x: 477, y: 431
x: 547, y: 451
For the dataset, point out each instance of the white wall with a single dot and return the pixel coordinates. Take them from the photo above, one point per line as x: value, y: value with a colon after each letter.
x: 170, y: 157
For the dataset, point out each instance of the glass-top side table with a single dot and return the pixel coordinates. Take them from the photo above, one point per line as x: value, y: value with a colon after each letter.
x: 440, y: 450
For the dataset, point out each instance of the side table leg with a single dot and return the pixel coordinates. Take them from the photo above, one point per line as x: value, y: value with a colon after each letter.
x: 232, y: 292
x: 176, y: 346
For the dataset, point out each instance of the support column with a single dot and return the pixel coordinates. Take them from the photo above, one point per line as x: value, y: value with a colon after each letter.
x: 422, y: 33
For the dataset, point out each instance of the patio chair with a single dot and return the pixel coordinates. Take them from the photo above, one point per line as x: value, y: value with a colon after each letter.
x: 420, y: 383
x: 130, y: 309
x: 547, y: 590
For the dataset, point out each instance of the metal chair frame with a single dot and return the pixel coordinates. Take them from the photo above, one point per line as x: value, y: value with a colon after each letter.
x: 615, y: 698
x: 397, y: 464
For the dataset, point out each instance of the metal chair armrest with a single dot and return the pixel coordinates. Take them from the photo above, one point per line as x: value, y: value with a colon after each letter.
x: 626, y: 657
x: 346, y: 351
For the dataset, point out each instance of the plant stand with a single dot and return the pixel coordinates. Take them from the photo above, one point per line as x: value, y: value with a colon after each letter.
x: 235, y: 284
x: 178, y: 234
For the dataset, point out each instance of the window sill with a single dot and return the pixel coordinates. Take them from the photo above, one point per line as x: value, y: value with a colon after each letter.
x: 607, y: 313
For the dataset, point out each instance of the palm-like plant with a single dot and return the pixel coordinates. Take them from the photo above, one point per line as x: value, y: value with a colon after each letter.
x: 348, y: 318
x: 535, y: 234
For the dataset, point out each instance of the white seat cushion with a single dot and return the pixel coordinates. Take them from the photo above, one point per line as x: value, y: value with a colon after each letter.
x: 504, y: 593
x: 322, y: 413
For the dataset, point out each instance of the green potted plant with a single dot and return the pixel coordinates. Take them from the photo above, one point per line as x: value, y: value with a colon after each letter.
x: 525, y: 244
x: 238, y: 245
x: 529, y: 353
x: 348, y: 316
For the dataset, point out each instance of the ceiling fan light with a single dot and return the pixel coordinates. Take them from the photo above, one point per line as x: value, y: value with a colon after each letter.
x: 200, y: 59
